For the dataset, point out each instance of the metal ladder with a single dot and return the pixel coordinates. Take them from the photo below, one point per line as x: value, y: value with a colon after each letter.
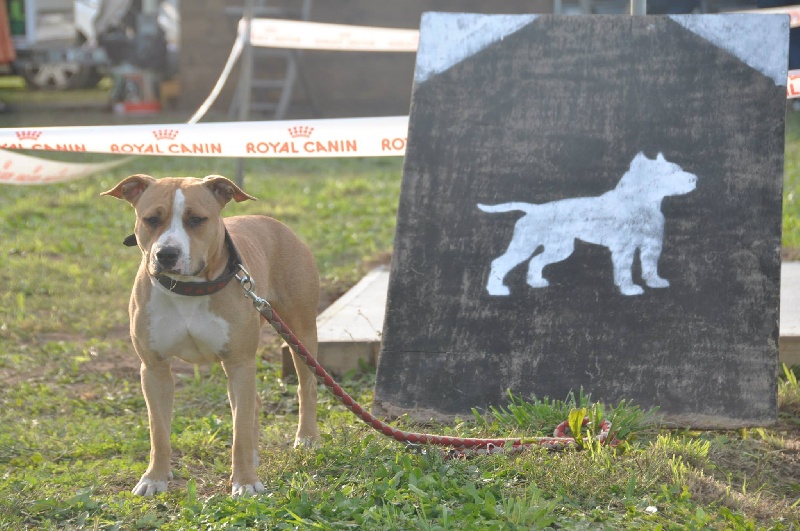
x: 257, y: 92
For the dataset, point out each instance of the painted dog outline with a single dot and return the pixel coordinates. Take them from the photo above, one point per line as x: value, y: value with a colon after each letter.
x: 625, y: 219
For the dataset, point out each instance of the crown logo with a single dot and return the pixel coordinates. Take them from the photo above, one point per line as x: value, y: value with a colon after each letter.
x: 29, y: 135
x: 300, y: 131
x: 165, y: 134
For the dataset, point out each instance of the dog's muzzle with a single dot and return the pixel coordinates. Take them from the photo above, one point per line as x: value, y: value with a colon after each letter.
x: 167, y: 258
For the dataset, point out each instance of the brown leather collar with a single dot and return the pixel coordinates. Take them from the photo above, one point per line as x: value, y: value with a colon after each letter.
x: 194, y: 289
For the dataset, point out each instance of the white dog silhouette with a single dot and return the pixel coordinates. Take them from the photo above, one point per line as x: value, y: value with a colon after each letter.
x: 624, y: 219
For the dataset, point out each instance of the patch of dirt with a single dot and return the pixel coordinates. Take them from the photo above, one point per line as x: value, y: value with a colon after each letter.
x: 121, y: 363
x: 790, y: 254
x: 755, y: 476
x: 379, y: 259
x: 764, y: 507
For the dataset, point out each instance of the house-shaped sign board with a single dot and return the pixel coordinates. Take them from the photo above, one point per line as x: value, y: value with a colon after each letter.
x: 590, y: 202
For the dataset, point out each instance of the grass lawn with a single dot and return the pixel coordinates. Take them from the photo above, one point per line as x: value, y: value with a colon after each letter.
x: 74, y: 436
x: 791, y: 188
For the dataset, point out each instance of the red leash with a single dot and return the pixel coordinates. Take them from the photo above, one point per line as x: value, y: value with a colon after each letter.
x: 461, y: 446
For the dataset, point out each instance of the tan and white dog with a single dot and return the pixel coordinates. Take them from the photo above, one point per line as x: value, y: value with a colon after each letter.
x: 183, y: 306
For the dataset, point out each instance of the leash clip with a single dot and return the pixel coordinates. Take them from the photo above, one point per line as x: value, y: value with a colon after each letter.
x: 245, y: 278
x: 413, y: 448
x: 248, y: 285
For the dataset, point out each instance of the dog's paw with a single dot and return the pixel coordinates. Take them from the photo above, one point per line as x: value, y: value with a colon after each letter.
x: 631, y: 289
x: 498, y: 290
x: 657, y: 282
x: 538, y: 282
x: 247, y: 489
x: 305, y: 441
x: 150, y: 487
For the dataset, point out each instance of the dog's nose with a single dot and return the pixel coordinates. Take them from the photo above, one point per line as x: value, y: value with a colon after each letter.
x: 168, y: 257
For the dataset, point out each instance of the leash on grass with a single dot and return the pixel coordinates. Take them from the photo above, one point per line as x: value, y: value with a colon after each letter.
x: 459, y: 447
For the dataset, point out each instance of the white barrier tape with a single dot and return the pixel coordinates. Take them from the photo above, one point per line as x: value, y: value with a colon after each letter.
x: 301, y: 35
x: 341, y: 137
x: 793, y: 84
x: 236, y: 51
x: 364, y: 137
x: 792, y: 11
x: 17, y: 168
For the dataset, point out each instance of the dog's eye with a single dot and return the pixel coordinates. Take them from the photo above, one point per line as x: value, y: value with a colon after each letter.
x: 151, y: 221
x: 195, y: 221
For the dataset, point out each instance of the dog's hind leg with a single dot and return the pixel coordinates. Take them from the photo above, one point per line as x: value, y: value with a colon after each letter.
x: 495, y: 285
x: 256, y: 431
x: 516, y: 254
x: 554, y: 251
x: 307, y: 431
x: 522, y: 246
x: 307, y: 434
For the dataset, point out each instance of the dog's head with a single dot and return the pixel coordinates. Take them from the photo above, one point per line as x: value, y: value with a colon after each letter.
x: 178, y: 223
x: 657, y: 178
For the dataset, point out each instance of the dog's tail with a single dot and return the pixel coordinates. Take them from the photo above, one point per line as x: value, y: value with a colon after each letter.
x: 508, y: 207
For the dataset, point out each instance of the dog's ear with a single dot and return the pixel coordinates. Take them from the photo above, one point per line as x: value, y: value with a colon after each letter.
x: 224, y: 190
x: 638, y: 160
x: 131, y: 188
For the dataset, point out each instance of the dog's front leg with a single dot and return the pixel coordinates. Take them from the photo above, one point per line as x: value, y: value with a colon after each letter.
x: 649, y: 253
x: 244, y: 406
x: 158, y: 387
x: 622, y: 260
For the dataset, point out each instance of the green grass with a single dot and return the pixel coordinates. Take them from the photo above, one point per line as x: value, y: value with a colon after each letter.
x: 791, y: 187
x: 74, y: 430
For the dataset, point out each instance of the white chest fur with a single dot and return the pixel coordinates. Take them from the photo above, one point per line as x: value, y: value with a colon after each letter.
x: 185, y: 327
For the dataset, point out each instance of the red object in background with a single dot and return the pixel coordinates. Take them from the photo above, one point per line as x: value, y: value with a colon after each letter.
x: 7, y: 52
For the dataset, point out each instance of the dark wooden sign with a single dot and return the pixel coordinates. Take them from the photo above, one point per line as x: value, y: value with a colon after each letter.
x: 590, y: 202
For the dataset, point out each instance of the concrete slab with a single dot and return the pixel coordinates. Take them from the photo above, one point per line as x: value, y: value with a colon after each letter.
x: 790, y: 313
x: 350, y: 329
